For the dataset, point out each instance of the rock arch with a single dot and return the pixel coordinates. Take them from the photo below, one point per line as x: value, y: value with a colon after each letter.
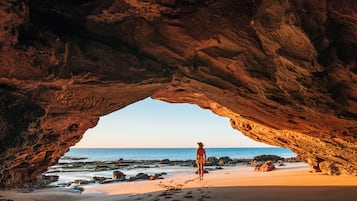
x: 283, y: 71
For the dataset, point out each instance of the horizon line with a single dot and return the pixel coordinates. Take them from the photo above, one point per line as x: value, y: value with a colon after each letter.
x: 166, y: 147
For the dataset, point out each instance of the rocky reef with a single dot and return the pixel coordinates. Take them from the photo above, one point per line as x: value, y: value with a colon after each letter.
x: 283, y: 71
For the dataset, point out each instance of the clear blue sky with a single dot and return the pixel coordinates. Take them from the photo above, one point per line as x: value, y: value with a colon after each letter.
x: 152, y: 123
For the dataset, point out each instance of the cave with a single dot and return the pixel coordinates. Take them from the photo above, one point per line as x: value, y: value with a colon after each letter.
x: 283, y: 71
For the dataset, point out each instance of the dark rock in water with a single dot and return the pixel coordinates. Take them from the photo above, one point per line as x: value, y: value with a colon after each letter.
x: 211, y: 161
x: 118, y: 176
x: 73, y: 158
x: 140, y: 176
x: 143, y: 176
x: 106, y: 181
x: 99, y: 179
x: 103, y: 168
x: 165, y: 161
x: 82, y: 181
x: 193, y: 164
x: 224, y: 160
x: 155, y: 176
x: 274, y: 158
x: 267, y: 166
x: 292, y: 159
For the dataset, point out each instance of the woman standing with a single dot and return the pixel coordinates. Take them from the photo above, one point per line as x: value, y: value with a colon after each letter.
x: 200, y: 159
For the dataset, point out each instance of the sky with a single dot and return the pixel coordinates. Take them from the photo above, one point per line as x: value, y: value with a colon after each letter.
x: 154, y: 124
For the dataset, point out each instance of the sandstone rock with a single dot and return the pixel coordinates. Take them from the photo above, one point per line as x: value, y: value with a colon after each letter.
x: 284, y: 72
x: 267, y: 166
x: 329, y: 168
x: 118, y: 176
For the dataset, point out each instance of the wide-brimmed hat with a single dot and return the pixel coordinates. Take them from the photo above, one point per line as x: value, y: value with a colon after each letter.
x: 200, y: 143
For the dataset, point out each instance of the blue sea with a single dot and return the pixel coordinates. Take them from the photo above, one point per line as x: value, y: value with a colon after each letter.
x: 112, y: 154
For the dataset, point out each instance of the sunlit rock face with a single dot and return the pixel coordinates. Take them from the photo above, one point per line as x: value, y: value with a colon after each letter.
x: 283, y: 71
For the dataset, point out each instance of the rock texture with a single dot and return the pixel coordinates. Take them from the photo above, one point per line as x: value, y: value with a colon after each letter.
x: 283, y: 71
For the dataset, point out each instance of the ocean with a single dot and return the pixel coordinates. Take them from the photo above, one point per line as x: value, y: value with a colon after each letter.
x: 112, y: 154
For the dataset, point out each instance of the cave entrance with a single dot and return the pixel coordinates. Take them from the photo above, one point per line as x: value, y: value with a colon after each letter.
x: 151, y: 130
x: 153, y: 124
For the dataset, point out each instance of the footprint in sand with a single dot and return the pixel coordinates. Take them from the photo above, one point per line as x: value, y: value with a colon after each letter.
x: 188, y: 195
x: 190, y: 180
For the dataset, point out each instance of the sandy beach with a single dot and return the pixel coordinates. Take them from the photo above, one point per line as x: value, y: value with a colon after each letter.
x: 291, y: 182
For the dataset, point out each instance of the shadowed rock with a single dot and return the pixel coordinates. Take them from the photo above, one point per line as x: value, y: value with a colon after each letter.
x: 268, y: 158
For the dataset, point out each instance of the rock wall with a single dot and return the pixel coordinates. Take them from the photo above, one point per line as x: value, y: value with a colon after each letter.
x: 283, y: 71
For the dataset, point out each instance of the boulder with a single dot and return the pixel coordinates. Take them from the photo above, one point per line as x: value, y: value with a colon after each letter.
x: 224, y: 160
x: 155, y: 176
x: 212, y: 161
x: 267, y: 166
x: 274, y: 158
x: 165, y: 161
x: 82, y: 181
x: 99, y: 179
x: 106, y: 181
x: 140, y: 176
x: 118, y: 176
x: 103, y: 168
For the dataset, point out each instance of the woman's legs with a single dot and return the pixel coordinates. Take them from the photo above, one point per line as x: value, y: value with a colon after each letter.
x: 200, y: 170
